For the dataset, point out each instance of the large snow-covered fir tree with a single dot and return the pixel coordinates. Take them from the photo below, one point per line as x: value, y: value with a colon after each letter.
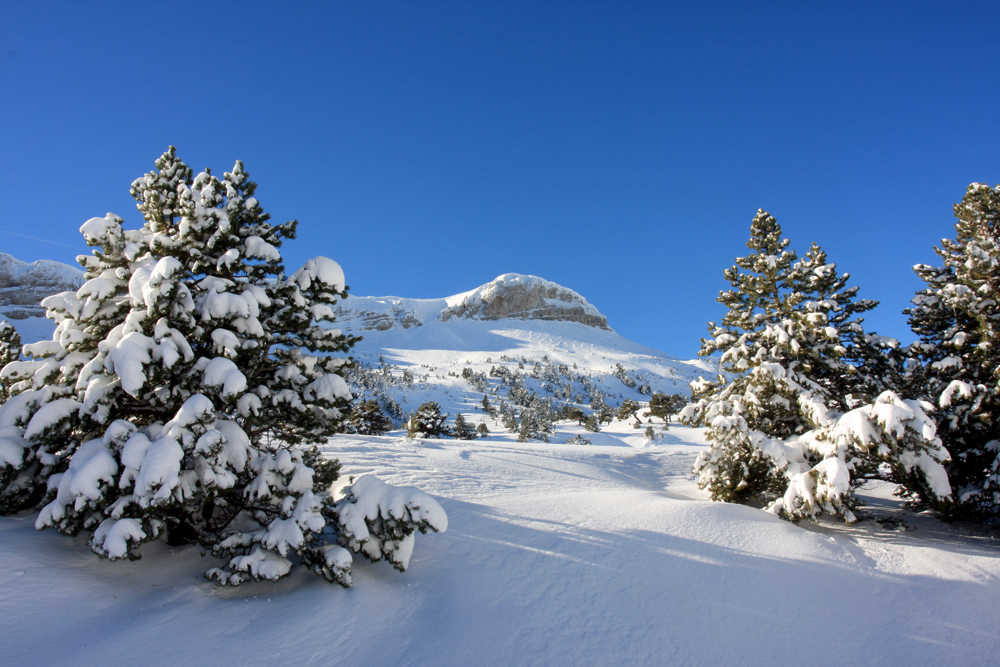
x: 802, y: 418
x: 957, y: 318
x: 177, y: 380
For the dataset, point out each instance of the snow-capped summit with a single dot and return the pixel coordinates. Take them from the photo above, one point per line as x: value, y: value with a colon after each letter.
x: 511, y: 296
x: 516, y: 297
x: 24, y: 285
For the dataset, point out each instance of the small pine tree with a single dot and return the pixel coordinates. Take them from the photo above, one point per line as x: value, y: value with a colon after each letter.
x: 482, y: 430
x: 627, y: 409
x: 428, y: 422
x: 463, y: 430
x: 606, y: 414
x: 664, y: 406
x: 368, y: 419
x: 577, y: 415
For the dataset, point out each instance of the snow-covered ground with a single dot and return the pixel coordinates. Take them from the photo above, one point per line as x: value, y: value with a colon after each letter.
x: 555, y: 554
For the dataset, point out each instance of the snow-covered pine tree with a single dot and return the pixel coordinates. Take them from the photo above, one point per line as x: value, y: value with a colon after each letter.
x: 801, y: 422
x: 957, y: 318
x: 463, y: 429
x: 10, y: 350
x: 428, y: 422
x: 367, y: 418
x: 178, y: 378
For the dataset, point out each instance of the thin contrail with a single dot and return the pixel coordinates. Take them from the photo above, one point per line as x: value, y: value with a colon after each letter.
x: 35, y: 238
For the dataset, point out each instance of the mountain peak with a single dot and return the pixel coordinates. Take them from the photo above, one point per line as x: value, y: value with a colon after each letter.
x: 23, y: 285
x: 519, y: 297
x: 509, y: 296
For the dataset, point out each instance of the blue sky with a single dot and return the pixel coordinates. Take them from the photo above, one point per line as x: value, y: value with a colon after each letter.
x: 620, y: 149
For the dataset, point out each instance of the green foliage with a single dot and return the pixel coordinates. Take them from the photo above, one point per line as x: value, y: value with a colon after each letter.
x: 957, y: 319
x: 10, y: 351
x: 627, y: 409
x: 368, y: 419
x: 798, y: 359
x: 428, y: 422
x: 664, y: 406
x: 182, y: 372
x: 463, y: 429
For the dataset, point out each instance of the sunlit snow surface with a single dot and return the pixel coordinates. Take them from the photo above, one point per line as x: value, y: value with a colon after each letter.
x: 554, y: 554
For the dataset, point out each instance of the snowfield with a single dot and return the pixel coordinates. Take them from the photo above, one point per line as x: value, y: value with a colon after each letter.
x: 555, y: 554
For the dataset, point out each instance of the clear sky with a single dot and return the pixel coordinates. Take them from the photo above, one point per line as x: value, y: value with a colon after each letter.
x: 620, y: 149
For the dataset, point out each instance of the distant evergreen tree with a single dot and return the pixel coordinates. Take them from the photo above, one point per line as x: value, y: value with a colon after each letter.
x: 577, y: 415
x: 592, y: 424
x: 482, y: 430
x: 368, y: 419
x: 428, y: 422
x: 957, y: 318
x: 627, y: 409
x: 392, y: 408
x: 664, y: 406
x: 508, y: 418
x: 463, y: 430
x: 606, y: 414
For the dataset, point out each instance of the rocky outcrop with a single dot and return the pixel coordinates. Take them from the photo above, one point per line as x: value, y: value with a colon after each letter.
x: 511, y: 296
x: 517, y: 297
x: 397, y: 317
x: 24, y: 285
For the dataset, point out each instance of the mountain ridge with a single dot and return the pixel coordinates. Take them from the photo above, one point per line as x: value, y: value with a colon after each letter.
x: 510, y: 296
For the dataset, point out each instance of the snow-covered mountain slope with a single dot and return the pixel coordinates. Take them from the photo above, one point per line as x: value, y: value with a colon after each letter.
x: 24, y: 285
x: 532, y: 331
x: 513, y: 322
x: 509, y: 297
x: 566, y: 361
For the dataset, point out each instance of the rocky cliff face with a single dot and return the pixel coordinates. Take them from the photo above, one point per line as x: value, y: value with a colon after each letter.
x: 24, y: 285
x: 517, y: 297
x: 510, y: 296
